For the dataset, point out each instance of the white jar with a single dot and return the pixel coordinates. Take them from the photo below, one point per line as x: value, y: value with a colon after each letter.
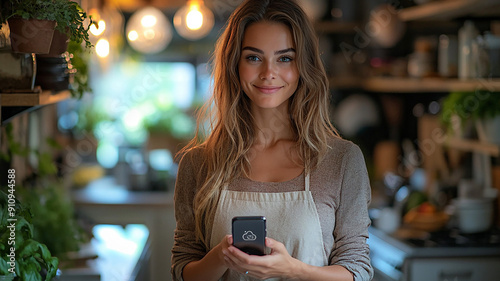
x: 466, y: 36
x: 389, y: 220
x: 474, y: 215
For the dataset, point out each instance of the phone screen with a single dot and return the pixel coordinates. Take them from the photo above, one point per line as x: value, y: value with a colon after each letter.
x: 249, y: 234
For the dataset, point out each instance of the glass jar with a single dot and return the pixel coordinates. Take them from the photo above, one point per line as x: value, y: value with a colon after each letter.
x: 17, y: 71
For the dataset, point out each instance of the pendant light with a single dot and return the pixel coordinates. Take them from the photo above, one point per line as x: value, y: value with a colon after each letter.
x: 194, y: 20
x: 99, y: 26
x: 149, y: 31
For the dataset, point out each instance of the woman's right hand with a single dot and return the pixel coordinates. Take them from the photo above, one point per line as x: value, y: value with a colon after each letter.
x: 223, y: 246
x: 213, y: 265
x: 278, y: 263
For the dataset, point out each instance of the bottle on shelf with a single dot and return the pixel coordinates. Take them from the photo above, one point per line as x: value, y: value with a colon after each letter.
x: 466, y: 36
x: 448, y: 55
x: 421, y: 62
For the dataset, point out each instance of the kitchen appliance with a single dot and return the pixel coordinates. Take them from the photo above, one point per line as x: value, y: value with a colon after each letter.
x: 446, y: 255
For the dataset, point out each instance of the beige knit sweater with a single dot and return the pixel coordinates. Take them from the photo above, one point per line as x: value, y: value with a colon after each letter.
x: 340, y: 189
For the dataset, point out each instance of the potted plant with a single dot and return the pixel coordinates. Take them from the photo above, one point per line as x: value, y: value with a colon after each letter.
x: 72, y: 25
x: 480, y: 109
x: 69, y: 70
x: 32, y: 23
x: 49, y: 210
x: 31, y: 260
x: 54, y: 222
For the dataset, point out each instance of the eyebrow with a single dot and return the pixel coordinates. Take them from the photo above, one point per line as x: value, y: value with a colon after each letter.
x: 262, y: 52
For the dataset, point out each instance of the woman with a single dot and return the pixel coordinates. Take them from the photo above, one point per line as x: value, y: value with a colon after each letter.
x: 273, y: 152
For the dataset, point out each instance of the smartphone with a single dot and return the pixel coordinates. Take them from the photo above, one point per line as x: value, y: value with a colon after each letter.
x: 249, y: 234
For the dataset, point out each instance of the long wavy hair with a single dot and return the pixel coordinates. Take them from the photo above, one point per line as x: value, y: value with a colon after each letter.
x: 231, y: 125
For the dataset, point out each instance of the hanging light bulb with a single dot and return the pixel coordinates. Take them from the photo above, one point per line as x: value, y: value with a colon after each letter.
x: 149, y: 31
x: 99, y: 25
x: 102, y: 48
x: 96, y: 31
x: 194, y: 21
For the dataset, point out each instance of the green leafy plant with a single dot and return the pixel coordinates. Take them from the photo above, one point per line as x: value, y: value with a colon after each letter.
x: 27, y: 9
x: 171, y: 121
x: 466, y: 106
x: 32, y: 258
x: 51, y: 219
x: 70, y: 17
x: 79, y: 61
x: 46, y: 165
x: 54, y: 222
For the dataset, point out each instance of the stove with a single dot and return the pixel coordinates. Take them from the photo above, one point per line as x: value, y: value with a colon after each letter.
x: 454, y: 238
x: 446, y: 255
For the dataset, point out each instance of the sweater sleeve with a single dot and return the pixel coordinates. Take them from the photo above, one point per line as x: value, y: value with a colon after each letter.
x: 352, y: 221
x: 186, y: 248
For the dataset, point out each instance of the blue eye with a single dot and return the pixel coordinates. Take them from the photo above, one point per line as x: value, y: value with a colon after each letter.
x: 285, y: 59
x: 252, y: 58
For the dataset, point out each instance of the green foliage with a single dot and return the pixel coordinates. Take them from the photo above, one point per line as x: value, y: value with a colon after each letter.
x: 28, y: 9
x: 89, y: 117
x: 31, y: 256
x: 480, y: 104
x: 172, y: 121
x: 13, y: 146
x: 45, y: 167
x: 79, y: 58
x: 70, y: 19
x: 69, y: 16
x: 54, y: 222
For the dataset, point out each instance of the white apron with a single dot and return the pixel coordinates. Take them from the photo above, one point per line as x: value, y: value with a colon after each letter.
x: 291, y: 218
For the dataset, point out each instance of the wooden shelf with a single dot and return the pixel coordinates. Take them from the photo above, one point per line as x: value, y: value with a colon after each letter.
x: 446, y: 9
x: 347, y: 82
x: 18, y: 102
x: 474, y: 146
x: 414, y: 85
x: 35, y: 98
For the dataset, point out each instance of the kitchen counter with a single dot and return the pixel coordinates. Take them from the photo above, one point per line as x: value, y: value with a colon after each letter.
x: 420, y: 249
x: 105, y: 202
x: 114, y: 253
x: 445, y: 255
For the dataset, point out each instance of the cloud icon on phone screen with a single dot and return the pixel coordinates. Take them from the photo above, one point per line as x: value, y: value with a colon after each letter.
x: 249, y: 236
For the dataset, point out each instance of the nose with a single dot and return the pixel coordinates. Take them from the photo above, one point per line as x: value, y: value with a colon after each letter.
x: 268, y: 71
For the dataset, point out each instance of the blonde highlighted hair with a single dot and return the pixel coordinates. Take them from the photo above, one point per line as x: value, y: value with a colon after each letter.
x: 226, y: 148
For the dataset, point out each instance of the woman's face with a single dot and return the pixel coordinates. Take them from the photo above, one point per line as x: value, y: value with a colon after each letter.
x: 267, y: 68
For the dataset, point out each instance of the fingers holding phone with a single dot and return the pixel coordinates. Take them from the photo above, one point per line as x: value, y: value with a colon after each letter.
x: 276, y: 264
x: 249, y: 234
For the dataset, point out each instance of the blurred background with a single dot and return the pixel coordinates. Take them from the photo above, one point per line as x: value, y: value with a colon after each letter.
x: 90, y: 132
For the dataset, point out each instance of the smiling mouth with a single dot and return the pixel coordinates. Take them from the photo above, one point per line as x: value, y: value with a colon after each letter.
x: 268, y: 89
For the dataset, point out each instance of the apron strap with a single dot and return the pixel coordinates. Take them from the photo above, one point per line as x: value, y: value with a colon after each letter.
x: 307, y: 181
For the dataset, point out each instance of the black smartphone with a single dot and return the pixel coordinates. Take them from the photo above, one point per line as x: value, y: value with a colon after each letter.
x: 249, y: 234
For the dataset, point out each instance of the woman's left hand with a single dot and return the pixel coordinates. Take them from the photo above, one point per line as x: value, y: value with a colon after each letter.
x: 277, y: 264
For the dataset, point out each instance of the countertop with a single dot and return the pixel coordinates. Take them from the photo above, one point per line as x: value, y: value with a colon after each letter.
x: 379, y: 241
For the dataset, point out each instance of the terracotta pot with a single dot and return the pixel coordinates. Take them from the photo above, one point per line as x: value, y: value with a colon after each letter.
x: 31, y: 36
x: 59, y: 44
